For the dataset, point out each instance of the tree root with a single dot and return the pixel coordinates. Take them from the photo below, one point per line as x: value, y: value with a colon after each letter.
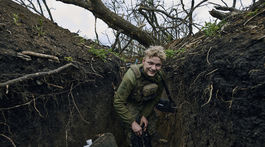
x: 34, y: 104
x: 210, y: 97
x: 207, y: 57
x: 76, y: 107
x: 8, y: 138
x: 16, y: 106
x: 30, y: 53
x: 211, y: 72
x: 34, y: 75
x: 197, y: 77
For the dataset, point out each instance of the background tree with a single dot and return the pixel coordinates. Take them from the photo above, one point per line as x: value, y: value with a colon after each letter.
x: 164, y: 23
x: 37, y: 9
x: 138, y: 24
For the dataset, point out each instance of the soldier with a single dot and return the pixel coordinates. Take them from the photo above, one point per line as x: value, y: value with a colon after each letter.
x: 139, y: 91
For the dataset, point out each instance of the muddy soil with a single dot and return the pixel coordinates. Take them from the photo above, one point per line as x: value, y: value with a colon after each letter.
x: 50, y: 106
x: 218, y: 83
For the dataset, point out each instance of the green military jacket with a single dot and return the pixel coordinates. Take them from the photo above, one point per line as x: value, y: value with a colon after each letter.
x: 130, y: 94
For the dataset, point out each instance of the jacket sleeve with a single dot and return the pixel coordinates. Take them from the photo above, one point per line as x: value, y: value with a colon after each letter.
x: 121, y: 96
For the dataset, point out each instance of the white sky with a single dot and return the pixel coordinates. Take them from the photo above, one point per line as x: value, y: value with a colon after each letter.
x: 80, y: 20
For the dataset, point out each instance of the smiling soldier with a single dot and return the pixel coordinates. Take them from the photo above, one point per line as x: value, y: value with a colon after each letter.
x: 138, y: 93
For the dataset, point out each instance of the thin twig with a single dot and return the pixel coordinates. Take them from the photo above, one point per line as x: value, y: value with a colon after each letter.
x: 30, y: 53
x: 34, y: 75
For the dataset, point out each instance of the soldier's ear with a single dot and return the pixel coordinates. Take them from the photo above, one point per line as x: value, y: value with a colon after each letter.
x: 143, y: 60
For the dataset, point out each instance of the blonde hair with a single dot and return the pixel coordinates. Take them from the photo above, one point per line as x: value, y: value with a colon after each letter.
x: 155, y: 51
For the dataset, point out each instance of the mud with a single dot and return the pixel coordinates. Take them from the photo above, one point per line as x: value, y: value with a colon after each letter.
x: 60, y: 109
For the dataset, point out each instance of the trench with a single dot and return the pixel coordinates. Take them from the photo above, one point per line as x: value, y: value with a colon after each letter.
x: 217, y: 83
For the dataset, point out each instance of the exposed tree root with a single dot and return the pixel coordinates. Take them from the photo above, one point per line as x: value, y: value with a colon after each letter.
x: 210, y: 97
x: 73, y: 100
x: 34, y: 104
x: 197, y: 77
x: 53, y: 85
x: 8, y: 138
x: 30, y: 53
x: 34, y: 75
x: 207, y: 57
x: 211, y: 72
x: 16, y: 106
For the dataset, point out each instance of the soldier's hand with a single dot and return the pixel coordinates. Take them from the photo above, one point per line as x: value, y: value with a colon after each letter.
x: 136, y: 128
x: 144, y: 121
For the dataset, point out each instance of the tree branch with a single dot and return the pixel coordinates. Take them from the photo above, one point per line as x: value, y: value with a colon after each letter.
x: 30, y: 53
x: 48, y: 9
x: 217, y: 14
x: 34, y: 75
x: 113, y: 20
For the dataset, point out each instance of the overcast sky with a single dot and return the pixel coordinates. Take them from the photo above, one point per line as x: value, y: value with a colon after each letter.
x: 80, y: 20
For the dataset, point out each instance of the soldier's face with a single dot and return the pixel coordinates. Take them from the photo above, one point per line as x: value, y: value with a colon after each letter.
x: 152, y: 65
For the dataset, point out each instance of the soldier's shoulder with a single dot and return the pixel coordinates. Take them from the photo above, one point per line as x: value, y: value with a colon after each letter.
x: 136, y: 70
x: 130, y: 76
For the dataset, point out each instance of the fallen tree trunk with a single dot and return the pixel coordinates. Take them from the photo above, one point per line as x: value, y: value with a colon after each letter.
x: 114, y: 21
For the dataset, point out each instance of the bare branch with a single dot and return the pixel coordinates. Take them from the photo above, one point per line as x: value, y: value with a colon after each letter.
x: 34, y: 75
x: 161, y: 11
x: 40, y: 7
x: 217, y: 14
x: 48, y: 9
x: 231, y: 9
x: 30, y: 53
x: 224, y: 3
x: 234, y: 4
x: 95, y: 26
x: 114, y: 21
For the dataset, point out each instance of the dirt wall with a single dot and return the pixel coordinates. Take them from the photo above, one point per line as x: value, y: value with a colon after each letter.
x: 52, y: 102
x: 218, y: 84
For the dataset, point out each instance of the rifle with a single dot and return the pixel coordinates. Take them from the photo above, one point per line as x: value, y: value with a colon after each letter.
x: 139, y: 141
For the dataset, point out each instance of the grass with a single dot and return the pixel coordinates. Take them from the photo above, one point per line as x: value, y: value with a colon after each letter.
x: 171, y: 53
x: 16, y: 19
x: 211, y: 29
x: 103, y: 53
x: 39, y: 28
x: 252, y: 13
